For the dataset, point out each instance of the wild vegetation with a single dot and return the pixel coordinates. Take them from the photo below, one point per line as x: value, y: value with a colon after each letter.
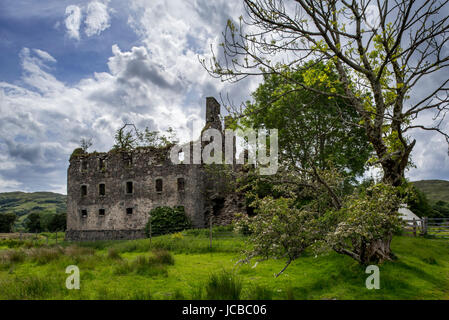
x: 184, y: 267
x: 366, y: 65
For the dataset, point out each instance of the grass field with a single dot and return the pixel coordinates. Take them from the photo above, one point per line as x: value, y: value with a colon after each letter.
x: 184, y: 267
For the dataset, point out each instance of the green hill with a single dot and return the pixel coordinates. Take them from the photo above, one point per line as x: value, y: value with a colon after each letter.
x: 435, y: 190
x: 23, y: 203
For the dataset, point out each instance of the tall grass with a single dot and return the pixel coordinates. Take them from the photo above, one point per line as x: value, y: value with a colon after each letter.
x: 29, y: 288
x: 258, y: 292
x: 154, y: 265
x: 223, y: 285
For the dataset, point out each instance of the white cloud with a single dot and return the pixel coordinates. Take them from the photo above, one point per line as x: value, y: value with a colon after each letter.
x: 44, y: 55
x: 73, y: 21
x: 97, y: 18
x: 9, y: 185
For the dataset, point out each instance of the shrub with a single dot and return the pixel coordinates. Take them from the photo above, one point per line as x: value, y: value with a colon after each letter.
x: 167, y: 220
x: 145, y: 266
x: 33, y: 222
x: 162, y: 257
x: 7, y: 221
x: 223, y: 286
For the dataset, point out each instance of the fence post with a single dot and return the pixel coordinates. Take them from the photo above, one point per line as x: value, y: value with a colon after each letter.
x: 150, y: 229
x: 20, y: 236
x: 210, y: 231
x: 414, y: 227
x: 424, y: 227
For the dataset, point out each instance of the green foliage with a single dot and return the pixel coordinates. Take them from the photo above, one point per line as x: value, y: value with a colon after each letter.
x: 360, y: 226
x: 279, y: 230
x: 224, y: 285
x: 22, y: 204
x: 162, y: 257
x: 57, y: 222
x: 441, y: 209
x: 365, y: 218
x: 7, y: 221
x: 167, y: 220
x: 129, y: 137
x: 33, y: 222
x: 420, y: 205
x: 417, y: 274
x: 311, y: 130
x: 78, y: 152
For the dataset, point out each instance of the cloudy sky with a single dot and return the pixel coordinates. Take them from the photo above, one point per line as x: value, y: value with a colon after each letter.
x: 73, y: 69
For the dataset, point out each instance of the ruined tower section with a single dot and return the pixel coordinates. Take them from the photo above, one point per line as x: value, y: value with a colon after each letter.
x: 213, y: 114
x: 110, y: 194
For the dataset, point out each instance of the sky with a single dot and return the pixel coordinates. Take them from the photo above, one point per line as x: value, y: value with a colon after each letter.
x: 80, y: 69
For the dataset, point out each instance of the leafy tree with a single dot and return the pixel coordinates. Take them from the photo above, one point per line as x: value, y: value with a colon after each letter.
x: 441, y: 209
x: 311, y: 131
x: 32, y: 223
x: 420, y: 205
x: 167, y: 220
x: 56, y: 222
x: 358, y: 229
x: 126, y: 139
x: 378, y: 61
x: 129, y: 137
x: 7, y: 220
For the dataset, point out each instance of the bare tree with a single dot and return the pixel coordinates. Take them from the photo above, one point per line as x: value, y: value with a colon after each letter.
x: 382, y: 51
x: 86, y: 143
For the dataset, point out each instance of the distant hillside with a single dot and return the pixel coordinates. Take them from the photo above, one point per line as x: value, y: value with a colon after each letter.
x: 435, y: 190
x: 22, y: 203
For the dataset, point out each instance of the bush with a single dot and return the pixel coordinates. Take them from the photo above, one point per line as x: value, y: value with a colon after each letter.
x: 162, y: 257
x: 147, y: 266
x: 33, y: 223
x: 167, y: 220
x: 223, y: 286
x: 7, y: 221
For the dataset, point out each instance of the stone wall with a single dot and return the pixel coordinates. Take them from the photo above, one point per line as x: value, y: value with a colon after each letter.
x: 120, y: 214
x: 92, y: 235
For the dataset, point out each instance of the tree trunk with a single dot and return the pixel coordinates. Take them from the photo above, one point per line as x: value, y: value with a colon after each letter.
x: 377, y: 251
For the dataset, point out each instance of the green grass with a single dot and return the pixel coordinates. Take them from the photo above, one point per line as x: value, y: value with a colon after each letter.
x: 184, y: 267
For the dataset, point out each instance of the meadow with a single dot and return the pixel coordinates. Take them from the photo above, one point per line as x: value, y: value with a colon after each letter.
x: 184, y: 266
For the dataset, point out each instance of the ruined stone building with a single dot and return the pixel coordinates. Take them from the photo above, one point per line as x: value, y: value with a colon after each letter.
x: 110, y: 195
